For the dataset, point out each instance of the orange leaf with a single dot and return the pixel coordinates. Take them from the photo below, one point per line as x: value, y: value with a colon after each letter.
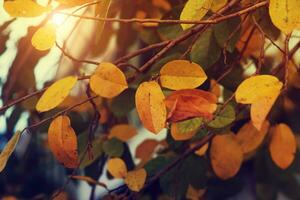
x: 250, y: 138
x: 149, y: 100
x: 123, y: 132
x: 117, y: 168
x: 202, y: 150
x: 184, y: 104
x: 181, y: 74
x: 136, y: 179
x: 63, y: 141
x: 108, y: 80
x: 226, y: 155
x: 282, y: 145
x: 145, y: 150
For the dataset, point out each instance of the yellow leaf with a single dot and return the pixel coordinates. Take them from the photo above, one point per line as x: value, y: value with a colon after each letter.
x: 285, y: 14
x: 24, y: 8
x: 250, y: 138
x: 194, y: 10
x: 62, y: 141
x: 135, y: 180
x: 282, y: 145
x: 108, y: 80
x: 117, y: 168
x: 260, y: 91
x: 218, y: 4
x: 123, y: 132
x: 8, y: 149
x: 44, y: 38
x: 149, y: 100
x: 56, y: 94
x: 226, y: 155
x: 182, y: 74
x: 73, y: 2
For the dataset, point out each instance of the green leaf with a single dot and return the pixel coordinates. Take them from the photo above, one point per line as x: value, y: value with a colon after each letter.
x: 189, y: 125
x: 170, y: 31
x: 223, y: 30
x: 113, y: 147
x: 9, y: 149
x: 125, y: 98
x: 206, y: 50
x: 226, y: 117
x: 96, y: 149
x: 156, y: 164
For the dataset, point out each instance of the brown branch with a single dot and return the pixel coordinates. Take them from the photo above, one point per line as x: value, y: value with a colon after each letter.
x: 262, y: 48
x: 286, y: 60
x: 209, y: 21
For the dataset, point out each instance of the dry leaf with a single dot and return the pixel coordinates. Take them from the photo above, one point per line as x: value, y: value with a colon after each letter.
x: 282, y: 145
x: 62, y: 141
x: 149, y: 100
x: 117, y: 168
x: 136, y: 179
x: 181, y: 74
x: 226, y: 155
x: 56, y: 94
x: 123, y: 132
x: 108, y: 80
x: 9, y: 149
x: 185, y: 104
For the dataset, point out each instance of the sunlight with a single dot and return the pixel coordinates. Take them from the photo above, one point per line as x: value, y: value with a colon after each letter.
x: 58, y: 19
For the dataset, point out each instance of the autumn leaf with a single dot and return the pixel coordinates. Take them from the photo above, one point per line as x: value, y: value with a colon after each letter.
x: 123, y: 132
x: 285, y: 14
x: 282, y: 145
x: 194, y: 10
x: 250, y: 138
x: 56, y: 94
x: 226, y: 155
x: 261, y: 92
x: 190, y: 103
x: 44, y: 38
x: 181, y: 74
x: 9, y: 149
x: 72, y: 3
x: 108, y: 80
x: 186, y: 129
x: 146, y: 149
x: 202, y: 150
x: 117, y: 168
x: 136, y: 179
x: 24, y: 8
x: 149, y: 100
x: 218, y: 4
x: 62, y: 141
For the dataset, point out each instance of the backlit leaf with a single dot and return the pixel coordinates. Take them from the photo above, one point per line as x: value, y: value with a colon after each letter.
x: 24, y: 8
x: 149, y: 100
x: 62, y: 141
x: 73, y: 2
x: 250, y: 138
x: 108, y: 80
x: 181, y: 74
x: 136, y: 179
x: 226, y: 155
x: 117, y: 168
x: 9, y: 149
x: 123, y: 132
x: 285, y: 14
x: 44, y: 38
x: 260, y: 91
x: 282, y: 145
x: 184, y: 104
x: 56, y: 93
x: 194, y: 10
